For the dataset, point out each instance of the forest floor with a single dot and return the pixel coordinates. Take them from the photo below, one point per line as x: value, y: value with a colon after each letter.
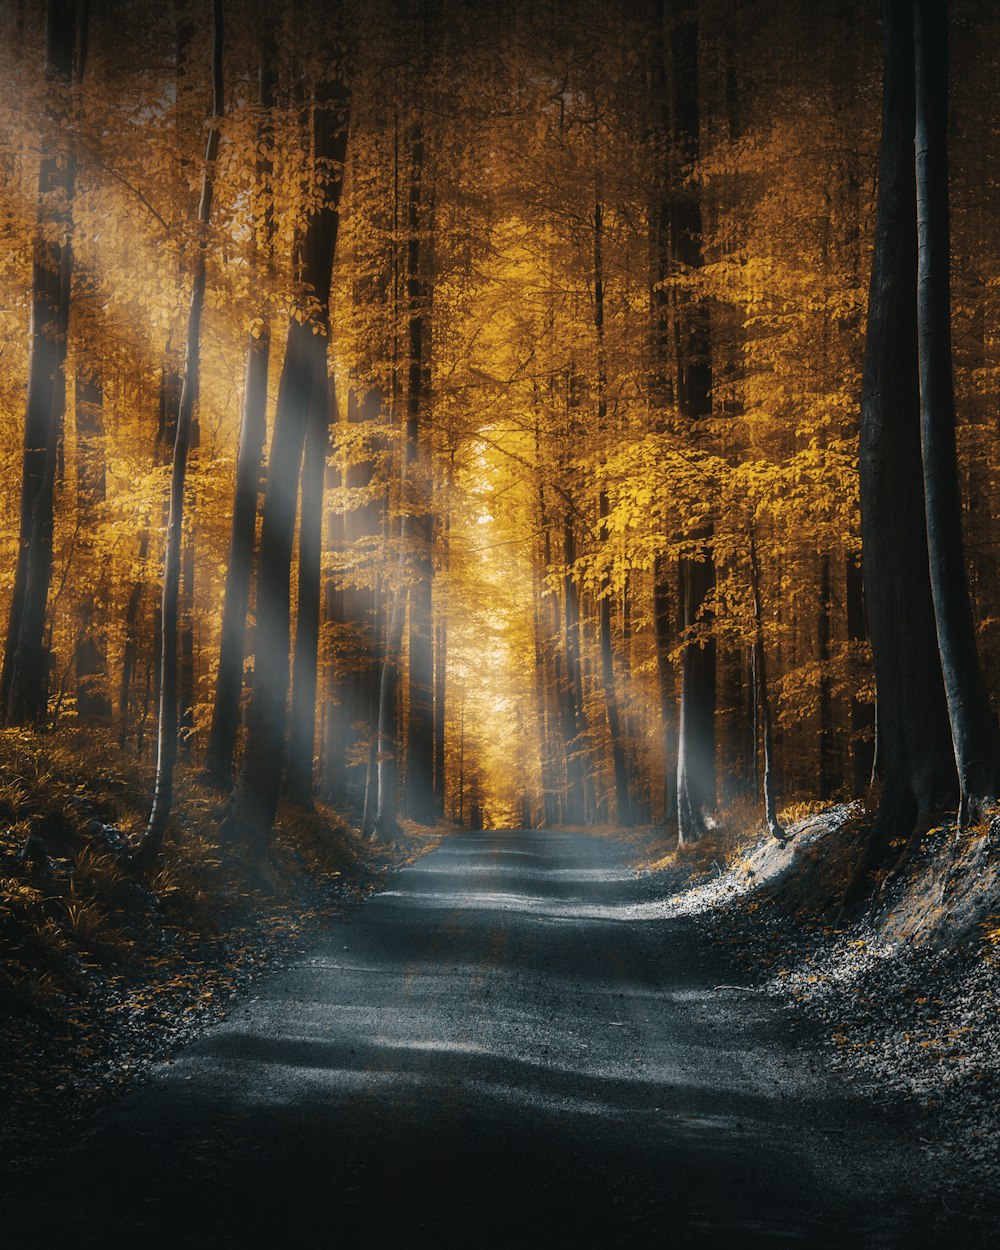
x: 105, y: 971
x: 904, y: 1001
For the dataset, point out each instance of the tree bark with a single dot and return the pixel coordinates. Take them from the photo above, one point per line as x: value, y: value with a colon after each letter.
x: 418, y: 798
x: 974, y: 731
x: 305, y: 668
x: 91, y: 663
x: 253, y: 429
x: 255, y: 799
x: 24, y: 676
x: 914, y: 738
x: 774, y: 827
x: 696, y: 784
x: 166, y: 744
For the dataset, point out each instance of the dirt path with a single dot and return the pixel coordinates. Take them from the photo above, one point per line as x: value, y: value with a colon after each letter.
x: 510, y: 1047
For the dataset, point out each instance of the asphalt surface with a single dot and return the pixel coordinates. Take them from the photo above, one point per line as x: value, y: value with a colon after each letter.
x: 510, y: 1047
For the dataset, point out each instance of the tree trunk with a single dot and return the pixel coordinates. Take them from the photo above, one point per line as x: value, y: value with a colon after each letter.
x: 764, y: 697
x: 914, y: 739
x: 696, y: 785
x: 130, y: 652
x: 664, y: 635
x: 255, y: 799
x: 974, y: 731
x: 862, y: 714
x: 253, y: 430
x: 302, y: 736
x: 623, y: 806
x: 418, y: 799
x: 166, y: 743
x: 92, y: 702
x: 827, y: 780
x: 25, y: 672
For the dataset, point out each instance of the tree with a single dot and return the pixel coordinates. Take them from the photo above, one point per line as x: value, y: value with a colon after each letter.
x: 255, y: 799
x: 239, y: 568
x: 24, y: 679
x: 918, y: 768
x: 166, y: 737
x: 974, y: 732
x: 696, y: 785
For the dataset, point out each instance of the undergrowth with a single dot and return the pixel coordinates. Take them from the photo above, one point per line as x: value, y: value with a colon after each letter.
x: 104, y: 968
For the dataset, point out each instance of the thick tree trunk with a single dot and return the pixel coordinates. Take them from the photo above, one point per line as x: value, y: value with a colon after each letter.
x: 255, y: 799
x: 253, y: 429
x: 914, y: 739
x: 166, y: 743
x: 229, y: 683
x: 25, y: 673
x: 973, y: 728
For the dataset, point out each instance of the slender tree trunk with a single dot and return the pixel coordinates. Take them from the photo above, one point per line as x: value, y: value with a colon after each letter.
x: 774, y: 828
x: 386, y: 821
x: 862, y: 714
x: 305, y: 669
x: 130, y: 653
x: 418, y: 799
x: 25, y: 673
x: 696, y: 785
x: 914, y: 738
x: 575, y: 726
x: 255, y: 799
x: 973, y: 728
x: 623, y: 806
x: 91, y: 663
x: 441, y: 662
x: 253, y: 429
x: 827, y: 780
x: 166, y: 744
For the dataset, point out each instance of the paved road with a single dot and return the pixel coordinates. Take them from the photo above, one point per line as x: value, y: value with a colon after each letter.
x: 507, y: 1048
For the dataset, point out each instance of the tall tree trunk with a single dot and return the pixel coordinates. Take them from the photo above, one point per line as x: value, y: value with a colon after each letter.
x: 418, y: 798
x: 827, y: 780
x: 166, y: 741
x: 386, y: 818
x: 862, y: 714
x: 764, y: 697
x: 696, y: 785
x: 92, y: 702
x: 574, y: 717
x: 914, y: 738
x: 305, y: 668
x: 255, y: 799
x: 441, y: 656
x: 253, y: 430
x: 664, y: 635
x: 623, y: 807
x: 25, y: 672
x: 973, y: 728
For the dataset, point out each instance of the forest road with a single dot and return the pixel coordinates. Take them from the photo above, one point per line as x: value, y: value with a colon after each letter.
x: 510, y: 1047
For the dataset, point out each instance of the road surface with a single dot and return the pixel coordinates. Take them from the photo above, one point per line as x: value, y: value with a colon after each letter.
x: 508, y: 1047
